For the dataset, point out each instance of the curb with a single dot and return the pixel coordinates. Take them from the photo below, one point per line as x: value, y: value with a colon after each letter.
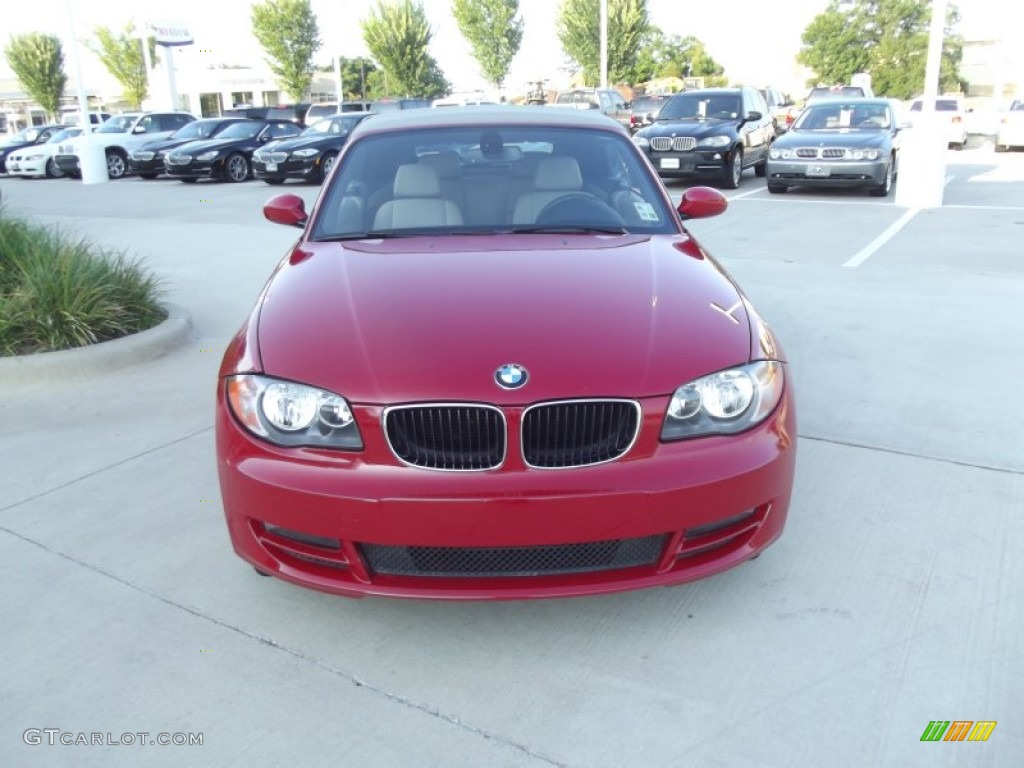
x: 105, y: 356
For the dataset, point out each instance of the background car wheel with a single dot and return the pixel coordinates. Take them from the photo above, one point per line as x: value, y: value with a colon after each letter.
x: 883, y: 190
x: 52, y: 171
x: 776, y: 189
x: 236, y: 168
x: 326, y: 163
x: 148, y: 176
x: 74, y: 174
x: 117, y: 164
x: 761, y: 169
x: 188, y: 181
x: 733, y: 170
x: 274, y: 182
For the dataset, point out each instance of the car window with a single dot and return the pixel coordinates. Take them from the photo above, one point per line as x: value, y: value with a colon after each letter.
x: 491, y: 179
x: 701, y: 106
x: 117, y: 124
x: 832, y: 115
x: 244, y: 129
x: 198, y: 129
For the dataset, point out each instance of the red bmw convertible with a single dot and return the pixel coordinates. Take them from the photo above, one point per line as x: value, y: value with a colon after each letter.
x: 496, y: 365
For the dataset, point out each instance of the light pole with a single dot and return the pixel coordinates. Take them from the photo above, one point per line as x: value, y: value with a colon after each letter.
x: 92, y: 159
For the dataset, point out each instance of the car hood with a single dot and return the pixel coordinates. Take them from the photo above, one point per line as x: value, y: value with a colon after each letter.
x: 834, y: 137
x: 205, y: 145
x: 394, y: 321
x: 159, y: 145
x: 696, y: 128
x: 318, y: 142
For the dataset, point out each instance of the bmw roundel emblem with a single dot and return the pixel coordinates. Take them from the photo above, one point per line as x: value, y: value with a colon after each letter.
x: 511, y: 376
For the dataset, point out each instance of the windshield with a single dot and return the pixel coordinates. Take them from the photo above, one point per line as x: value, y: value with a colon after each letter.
x: 24, y: 136
x: 197, y: 129
x: 241, y: 130
x: 699, y: 106
x: 831, y: 115
x: 118, y: 124
x: 326, y: 128
x: 941, y: 105
x: 490, y: 180
x: 67, y: 133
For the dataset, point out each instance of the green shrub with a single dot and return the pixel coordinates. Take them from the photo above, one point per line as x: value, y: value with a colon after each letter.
x: 58, y: 292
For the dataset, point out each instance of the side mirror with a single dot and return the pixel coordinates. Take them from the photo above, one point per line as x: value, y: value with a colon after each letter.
x: 701, y: 203
x: 289, y: 210
x: 139, y: 129
x: 753, y: 115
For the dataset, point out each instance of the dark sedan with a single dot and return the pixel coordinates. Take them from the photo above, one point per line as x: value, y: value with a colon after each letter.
x: 711, y: 134
x: 310, y: 155
x: 838, y: 143
x: 228, y: 155
x: 27, y: 137
x: 148, y: 160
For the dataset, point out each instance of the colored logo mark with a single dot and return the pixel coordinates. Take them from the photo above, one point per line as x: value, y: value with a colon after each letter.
x: 959, y: 730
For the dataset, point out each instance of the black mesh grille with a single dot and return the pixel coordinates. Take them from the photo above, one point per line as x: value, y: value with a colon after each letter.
x: 577, y: 433
x: 447, y: 436
x: 483, y: 562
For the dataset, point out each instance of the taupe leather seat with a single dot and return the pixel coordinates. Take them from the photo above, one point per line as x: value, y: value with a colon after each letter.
x: 417, y: 202
x: 555, y: 177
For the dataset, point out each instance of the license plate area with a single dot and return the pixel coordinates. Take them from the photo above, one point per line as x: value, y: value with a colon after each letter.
x: 271, y: 167
x: 819, y: 171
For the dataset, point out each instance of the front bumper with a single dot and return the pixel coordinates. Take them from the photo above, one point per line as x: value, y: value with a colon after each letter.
x: 702, y: 506
x: 197, y: 170
x: 697, y: 163
x: 23, y: 167
x: 154, y: 165
x: 1010, y: 135
x: 292, y: 168
x: 825, y: 173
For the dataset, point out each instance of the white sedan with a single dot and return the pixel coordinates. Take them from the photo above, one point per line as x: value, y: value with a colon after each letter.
x: 1011, y: 128
x: 37, y: 160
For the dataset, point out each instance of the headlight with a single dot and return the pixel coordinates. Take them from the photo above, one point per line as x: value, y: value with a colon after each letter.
x: 724, y: 403
x: 305, y: 152
x: 780, y: 154
x: 641, y: 141
x: 290, y: 414
x: 715, y: 141
x: 871, y: 154
x: 207, y: 156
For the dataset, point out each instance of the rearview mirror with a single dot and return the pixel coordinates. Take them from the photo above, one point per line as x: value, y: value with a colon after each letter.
x: 286, y: 209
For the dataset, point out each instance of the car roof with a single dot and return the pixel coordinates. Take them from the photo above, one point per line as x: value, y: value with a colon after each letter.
x: 487, y: 115
x: 875, y: 101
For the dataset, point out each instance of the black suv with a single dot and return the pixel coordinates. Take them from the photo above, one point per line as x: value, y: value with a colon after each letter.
x: 712, y: 133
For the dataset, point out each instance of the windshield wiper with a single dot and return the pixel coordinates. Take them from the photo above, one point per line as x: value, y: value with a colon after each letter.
x: 563, y: 229
x: 368, y: 236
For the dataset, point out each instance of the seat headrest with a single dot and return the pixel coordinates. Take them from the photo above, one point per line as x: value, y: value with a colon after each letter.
x: 445, y: 163
x: 414, y: 180
x: 558, y: 173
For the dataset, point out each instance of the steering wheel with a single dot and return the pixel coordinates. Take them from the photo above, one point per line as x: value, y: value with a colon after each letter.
x: 579, y: 209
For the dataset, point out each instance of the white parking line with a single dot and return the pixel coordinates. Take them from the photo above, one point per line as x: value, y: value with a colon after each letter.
x: 867, y: 251
x: 745, y: 194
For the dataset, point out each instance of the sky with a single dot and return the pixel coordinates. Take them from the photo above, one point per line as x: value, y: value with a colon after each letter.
x: 756, y: 46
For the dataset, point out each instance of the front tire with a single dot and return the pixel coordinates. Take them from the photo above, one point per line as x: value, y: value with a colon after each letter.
x: 236, y: 168
x: 326, y: 164
x: 117, y: 164
x: 273, y: 182
x: 147, y: 176
x: 733, y: 170
x: 52, y: 171
x: 761, y: 169
x: 886, y: 186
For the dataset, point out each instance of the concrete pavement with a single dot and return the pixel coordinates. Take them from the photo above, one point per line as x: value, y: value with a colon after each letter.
x: 893, y: 599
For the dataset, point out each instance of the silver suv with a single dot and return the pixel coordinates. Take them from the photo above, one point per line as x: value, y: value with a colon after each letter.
x: 608, y: 100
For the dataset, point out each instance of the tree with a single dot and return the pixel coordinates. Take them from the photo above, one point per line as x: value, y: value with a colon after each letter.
x: 494, y: 32
x: 675, y: 56
x: 121, y: 53
x: 886, y: 38
x: 397, y: 35
x: 290, y: 37
x: 37, y: 60
x: 579, y: 30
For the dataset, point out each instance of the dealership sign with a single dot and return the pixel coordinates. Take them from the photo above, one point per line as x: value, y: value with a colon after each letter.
x: 170, y: 33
